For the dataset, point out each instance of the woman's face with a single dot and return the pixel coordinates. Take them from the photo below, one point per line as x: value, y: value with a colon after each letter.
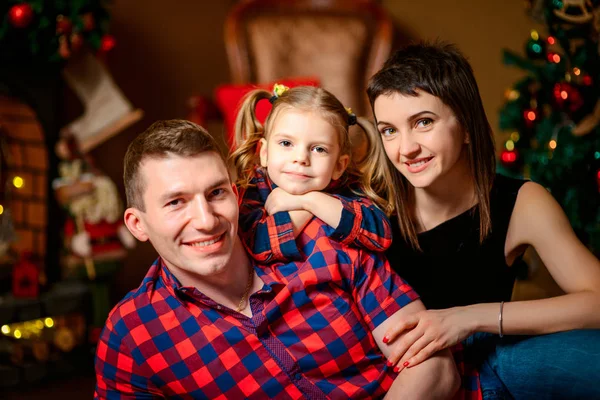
x: 421, y: 135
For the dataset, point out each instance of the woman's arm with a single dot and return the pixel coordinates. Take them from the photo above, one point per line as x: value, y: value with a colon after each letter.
x: 537, y: 220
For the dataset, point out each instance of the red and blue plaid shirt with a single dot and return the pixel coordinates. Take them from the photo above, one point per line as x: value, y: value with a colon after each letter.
x: 270, y: 238
x: 309, y: 335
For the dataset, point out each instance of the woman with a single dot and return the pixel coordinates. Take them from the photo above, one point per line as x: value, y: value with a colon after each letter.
x: 461, y: 228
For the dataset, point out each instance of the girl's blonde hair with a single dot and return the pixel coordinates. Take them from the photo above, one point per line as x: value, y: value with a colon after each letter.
x: 248, y: 132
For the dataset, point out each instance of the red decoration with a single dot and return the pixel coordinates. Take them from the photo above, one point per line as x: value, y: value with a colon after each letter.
x: 76, y: 41
x: 63, y: 47
x: 63, y: 25
x: 530, y: 115
x: 20, y: 15
x: 598, y: 179
x: 567, y: 97
x: 587, y: 80
x: 509, y: 157
x: 25, y: 278
x: 551, y: 40
x: 107, y: 43
x: 88, y: 22
x: 553, y: 57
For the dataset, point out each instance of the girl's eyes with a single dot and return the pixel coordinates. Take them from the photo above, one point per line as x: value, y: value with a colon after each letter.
x: 319, y: 149
x: 387, y: 131
x: 285, y: 143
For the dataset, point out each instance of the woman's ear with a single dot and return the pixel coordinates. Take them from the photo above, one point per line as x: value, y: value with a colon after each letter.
x: 467, y: 139
x: 263, y: 152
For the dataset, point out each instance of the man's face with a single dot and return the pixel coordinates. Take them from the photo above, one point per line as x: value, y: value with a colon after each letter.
x: 191, y: 215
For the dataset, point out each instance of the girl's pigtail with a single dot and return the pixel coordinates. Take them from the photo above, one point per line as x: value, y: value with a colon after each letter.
x: 374, y: 175
x: 248, y: 132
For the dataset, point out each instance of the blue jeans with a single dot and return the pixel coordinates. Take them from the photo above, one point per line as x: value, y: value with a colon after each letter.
x: 564, y: 365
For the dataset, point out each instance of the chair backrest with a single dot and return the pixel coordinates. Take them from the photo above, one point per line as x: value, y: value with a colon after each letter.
x: 341, y: 42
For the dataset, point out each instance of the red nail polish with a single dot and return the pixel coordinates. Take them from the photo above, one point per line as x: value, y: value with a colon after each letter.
x: 396, y: 369
x: 388, y: 363
x: 405, y: 363
x: 385, y: 339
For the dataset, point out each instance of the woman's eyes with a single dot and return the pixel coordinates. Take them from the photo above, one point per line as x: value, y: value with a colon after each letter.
x: 421, y: 123
x: 424, y: 122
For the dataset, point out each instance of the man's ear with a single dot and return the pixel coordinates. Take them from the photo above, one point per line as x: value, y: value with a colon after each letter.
x: 467, y: 138
x: 235, y: 191
x: 135, y: 224
x: 340, y: 166
x: 263, y: 152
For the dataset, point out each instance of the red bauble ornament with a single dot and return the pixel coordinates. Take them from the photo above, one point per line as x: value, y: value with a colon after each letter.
x: 63, y: 25
x: 530, y: 115
x: 567, y: 97
x: 89, y: 22
x: 76, y: 41
x: 509, y: 158
x: 63, y: 47
x: 598, y: 179
x: 20, y: 15
x: 107, y: 43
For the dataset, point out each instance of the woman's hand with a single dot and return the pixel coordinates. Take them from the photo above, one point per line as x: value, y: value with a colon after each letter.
x: 280, y: 200
x: 427, y: 332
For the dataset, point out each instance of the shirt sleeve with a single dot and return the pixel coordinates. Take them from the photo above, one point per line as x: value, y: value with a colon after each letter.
x: 378, y: 290
x: 267, y: 238
x: 363, y: 225
x: 115, y: 374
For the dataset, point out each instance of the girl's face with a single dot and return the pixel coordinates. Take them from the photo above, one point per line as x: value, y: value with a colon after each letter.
x: 421, y: 135
x: 302, y: 152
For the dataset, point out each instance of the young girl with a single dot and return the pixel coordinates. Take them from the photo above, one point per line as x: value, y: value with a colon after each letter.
x: 461, y: 227
x: 298, y: 166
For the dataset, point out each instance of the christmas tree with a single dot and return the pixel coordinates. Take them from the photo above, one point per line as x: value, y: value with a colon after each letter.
x: 50, y: 30
x: 552, y: 115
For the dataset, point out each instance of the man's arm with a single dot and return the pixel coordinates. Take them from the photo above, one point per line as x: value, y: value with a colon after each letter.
x: 115, y: 375
x: 435, y: 378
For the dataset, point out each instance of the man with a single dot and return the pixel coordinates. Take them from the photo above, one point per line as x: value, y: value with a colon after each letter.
x: 206, y: 323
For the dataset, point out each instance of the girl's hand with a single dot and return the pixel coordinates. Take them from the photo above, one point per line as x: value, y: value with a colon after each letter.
x: 280, y: 200
x: 425, y: 333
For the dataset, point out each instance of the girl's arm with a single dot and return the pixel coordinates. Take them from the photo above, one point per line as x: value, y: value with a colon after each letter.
x: 268, y: 238
x: 539, y: 221
x: 357, y: 220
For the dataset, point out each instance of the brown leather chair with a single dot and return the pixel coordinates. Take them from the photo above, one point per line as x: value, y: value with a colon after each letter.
x: 341, y: 42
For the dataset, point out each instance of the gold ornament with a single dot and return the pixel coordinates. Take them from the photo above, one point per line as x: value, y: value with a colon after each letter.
x: 64, y: 339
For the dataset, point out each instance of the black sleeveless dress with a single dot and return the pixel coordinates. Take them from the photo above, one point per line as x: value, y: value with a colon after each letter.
x: 454, y: 269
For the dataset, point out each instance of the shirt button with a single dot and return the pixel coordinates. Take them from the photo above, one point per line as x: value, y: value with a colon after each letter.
x: 218, y: 307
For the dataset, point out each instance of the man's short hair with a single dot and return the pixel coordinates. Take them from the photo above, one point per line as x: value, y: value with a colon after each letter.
x: 161, y: 139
